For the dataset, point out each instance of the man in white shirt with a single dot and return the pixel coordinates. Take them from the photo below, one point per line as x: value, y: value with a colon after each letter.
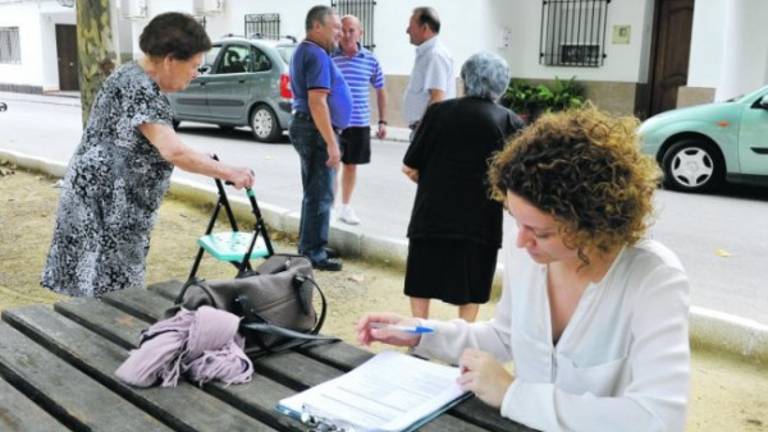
x: 432, y: 78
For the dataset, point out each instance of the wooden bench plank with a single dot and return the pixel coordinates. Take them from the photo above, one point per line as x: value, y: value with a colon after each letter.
x: 68, y: 394
x: 257, y: 398
x: 111, y: 323
x: 169, y: 289
x: 341, y: 356
x: 185, y: 407
x: 19, y: 414
x: 143, y: 304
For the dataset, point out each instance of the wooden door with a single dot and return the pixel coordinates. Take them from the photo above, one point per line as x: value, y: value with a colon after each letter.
x: 66, y: 52
x: 672, y: 46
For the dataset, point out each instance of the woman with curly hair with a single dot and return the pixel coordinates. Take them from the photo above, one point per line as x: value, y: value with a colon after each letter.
x: 593, y: 315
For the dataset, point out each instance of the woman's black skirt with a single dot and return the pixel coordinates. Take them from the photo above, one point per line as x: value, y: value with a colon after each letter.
x: 456, y: 271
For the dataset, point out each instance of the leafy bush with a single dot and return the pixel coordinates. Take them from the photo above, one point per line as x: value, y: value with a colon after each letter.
x: 530, y: 101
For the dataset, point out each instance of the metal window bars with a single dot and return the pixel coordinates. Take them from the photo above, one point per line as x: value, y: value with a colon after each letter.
x: 573, y: 32
x: 364, y: 11
x: 10, y: 46
x: 263, y: 26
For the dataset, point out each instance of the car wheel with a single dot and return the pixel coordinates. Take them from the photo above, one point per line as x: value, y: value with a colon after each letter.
x: 264, y: 124
x: 693, y: 165
x: 175, y: 124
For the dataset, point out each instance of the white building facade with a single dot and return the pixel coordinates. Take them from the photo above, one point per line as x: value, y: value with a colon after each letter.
x: 634, y: 56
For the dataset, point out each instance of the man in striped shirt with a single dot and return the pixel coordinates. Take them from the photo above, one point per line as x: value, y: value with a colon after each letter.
x: 360, y: 68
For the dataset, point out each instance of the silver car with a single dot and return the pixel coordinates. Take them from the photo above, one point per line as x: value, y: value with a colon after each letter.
x: 243, y: 82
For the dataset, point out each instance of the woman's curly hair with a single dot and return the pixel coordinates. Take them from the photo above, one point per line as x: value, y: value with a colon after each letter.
x: 585, y: 169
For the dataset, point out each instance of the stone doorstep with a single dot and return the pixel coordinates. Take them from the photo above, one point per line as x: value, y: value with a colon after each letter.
x: 709, y: 329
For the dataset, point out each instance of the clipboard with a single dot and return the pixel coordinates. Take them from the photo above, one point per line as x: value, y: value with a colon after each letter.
x: 391, y: 392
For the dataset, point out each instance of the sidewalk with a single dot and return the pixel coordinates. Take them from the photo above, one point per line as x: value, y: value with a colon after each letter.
x: 710, y: 328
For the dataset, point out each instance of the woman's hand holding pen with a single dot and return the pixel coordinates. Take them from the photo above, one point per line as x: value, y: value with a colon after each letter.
x: 381, y: 327
x: 484, y: 376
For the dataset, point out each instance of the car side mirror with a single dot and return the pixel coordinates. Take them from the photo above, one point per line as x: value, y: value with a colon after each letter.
x: 764, y: 102
x: 204, y: 69
x: 3, y: 107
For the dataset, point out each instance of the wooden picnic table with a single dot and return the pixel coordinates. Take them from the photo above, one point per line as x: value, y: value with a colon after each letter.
x: 57, y: 373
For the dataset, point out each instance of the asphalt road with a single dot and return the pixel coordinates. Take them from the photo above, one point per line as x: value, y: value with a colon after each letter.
x: 721, y: 239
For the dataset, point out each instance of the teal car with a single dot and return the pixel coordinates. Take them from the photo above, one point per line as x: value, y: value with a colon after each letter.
x: 701, y: 147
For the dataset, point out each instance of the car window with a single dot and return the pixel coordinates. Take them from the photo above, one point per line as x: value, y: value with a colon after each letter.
x: 236, y: 59
x: 286, y: 51
x: 260, y: 60
x: 210, y: 58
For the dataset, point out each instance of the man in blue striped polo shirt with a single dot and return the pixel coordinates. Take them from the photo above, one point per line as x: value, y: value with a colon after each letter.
x: 359, y: 68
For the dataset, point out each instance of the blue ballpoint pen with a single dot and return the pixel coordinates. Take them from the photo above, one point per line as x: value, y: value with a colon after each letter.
x: 417, y: 329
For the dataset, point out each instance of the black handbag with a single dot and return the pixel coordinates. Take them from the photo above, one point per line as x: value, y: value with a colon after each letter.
x: 275, y: 301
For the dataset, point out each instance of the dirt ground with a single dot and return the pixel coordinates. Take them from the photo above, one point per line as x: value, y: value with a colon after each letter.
x: 727, y: 394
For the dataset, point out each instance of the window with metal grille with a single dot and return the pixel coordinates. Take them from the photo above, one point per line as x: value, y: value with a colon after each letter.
x: 265, y: 26
x: 10, y: 48
x: 573, y: 32
x: 363, y: 10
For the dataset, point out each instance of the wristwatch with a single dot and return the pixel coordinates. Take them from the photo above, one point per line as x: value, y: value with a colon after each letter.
x: 383, y: 122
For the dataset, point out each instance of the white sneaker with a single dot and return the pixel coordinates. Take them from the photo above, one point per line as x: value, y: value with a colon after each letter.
x: 348, y: 216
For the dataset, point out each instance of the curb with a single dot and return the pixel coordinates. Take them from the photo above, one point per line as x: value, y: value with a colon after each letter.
x: 709, y: 329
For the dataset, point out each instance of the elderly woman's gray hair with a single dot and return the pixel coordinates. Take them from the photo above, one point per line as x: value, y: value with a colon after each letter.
x: 485, y: 75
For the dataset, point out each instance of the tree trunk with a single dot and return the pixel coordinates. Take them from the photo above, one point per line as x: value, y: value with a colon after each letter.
x: 95, y: 49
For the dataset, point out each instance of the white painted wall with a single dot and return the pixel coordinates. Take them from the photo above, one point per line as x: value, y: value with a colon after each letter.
x: 626, y: 63
x: 25, y: 16
x: 745, y: 48
x: 706, y: 43
x: 468, y: 27
x: 155, y: 7
x: 37, y: 35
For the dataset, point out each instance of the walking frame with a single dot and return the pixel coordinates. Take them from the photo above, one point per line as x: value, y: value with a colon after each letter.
x: 235, y: 246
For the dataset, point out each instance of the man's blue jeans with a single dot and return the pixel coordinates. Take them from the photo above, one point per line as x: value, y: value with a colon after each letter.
x: 317, y: 182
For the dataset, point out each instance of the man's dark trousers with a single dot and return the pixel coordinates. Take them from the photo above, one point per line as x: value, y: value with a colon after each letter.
x: 317, y: 182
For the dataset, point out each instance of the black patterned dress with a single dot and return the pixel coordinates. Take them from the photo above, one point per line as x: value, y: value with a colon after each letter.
x: 113, y: 187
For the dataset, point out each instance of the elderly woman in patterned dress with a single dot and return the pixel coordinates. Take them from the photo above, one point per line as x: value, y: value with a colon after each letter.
x: 118, y: 175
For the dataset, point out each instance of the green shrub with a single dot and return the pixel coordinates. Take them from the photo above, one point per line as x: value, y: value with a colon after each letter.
x: 530, y: 101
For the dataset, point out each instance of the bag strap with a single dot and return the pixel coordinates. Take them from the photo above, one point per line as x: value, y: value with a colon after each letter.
x: 323, y: 302
x: 248, y: 310
x: 282, y: 331
x: 200, y: 284
x: 296, y: 338
x: 262, y: 349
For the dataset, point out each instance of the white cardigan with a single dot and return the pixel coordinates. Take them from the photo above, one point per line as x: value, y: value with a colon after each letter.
x: 622, y: 363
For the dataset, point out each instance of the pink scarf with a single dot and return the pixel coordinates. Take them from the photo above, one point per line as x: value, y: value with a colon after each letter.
x: 204, y: 344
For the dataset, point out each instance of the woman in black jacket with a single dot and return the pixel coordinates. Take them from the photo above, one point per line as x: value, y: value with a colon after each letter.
x: 455, y: 228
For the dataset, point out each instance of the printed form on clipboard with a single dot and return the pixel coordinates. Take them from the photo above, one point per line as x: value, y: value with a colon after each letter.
x: 390, y: 392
